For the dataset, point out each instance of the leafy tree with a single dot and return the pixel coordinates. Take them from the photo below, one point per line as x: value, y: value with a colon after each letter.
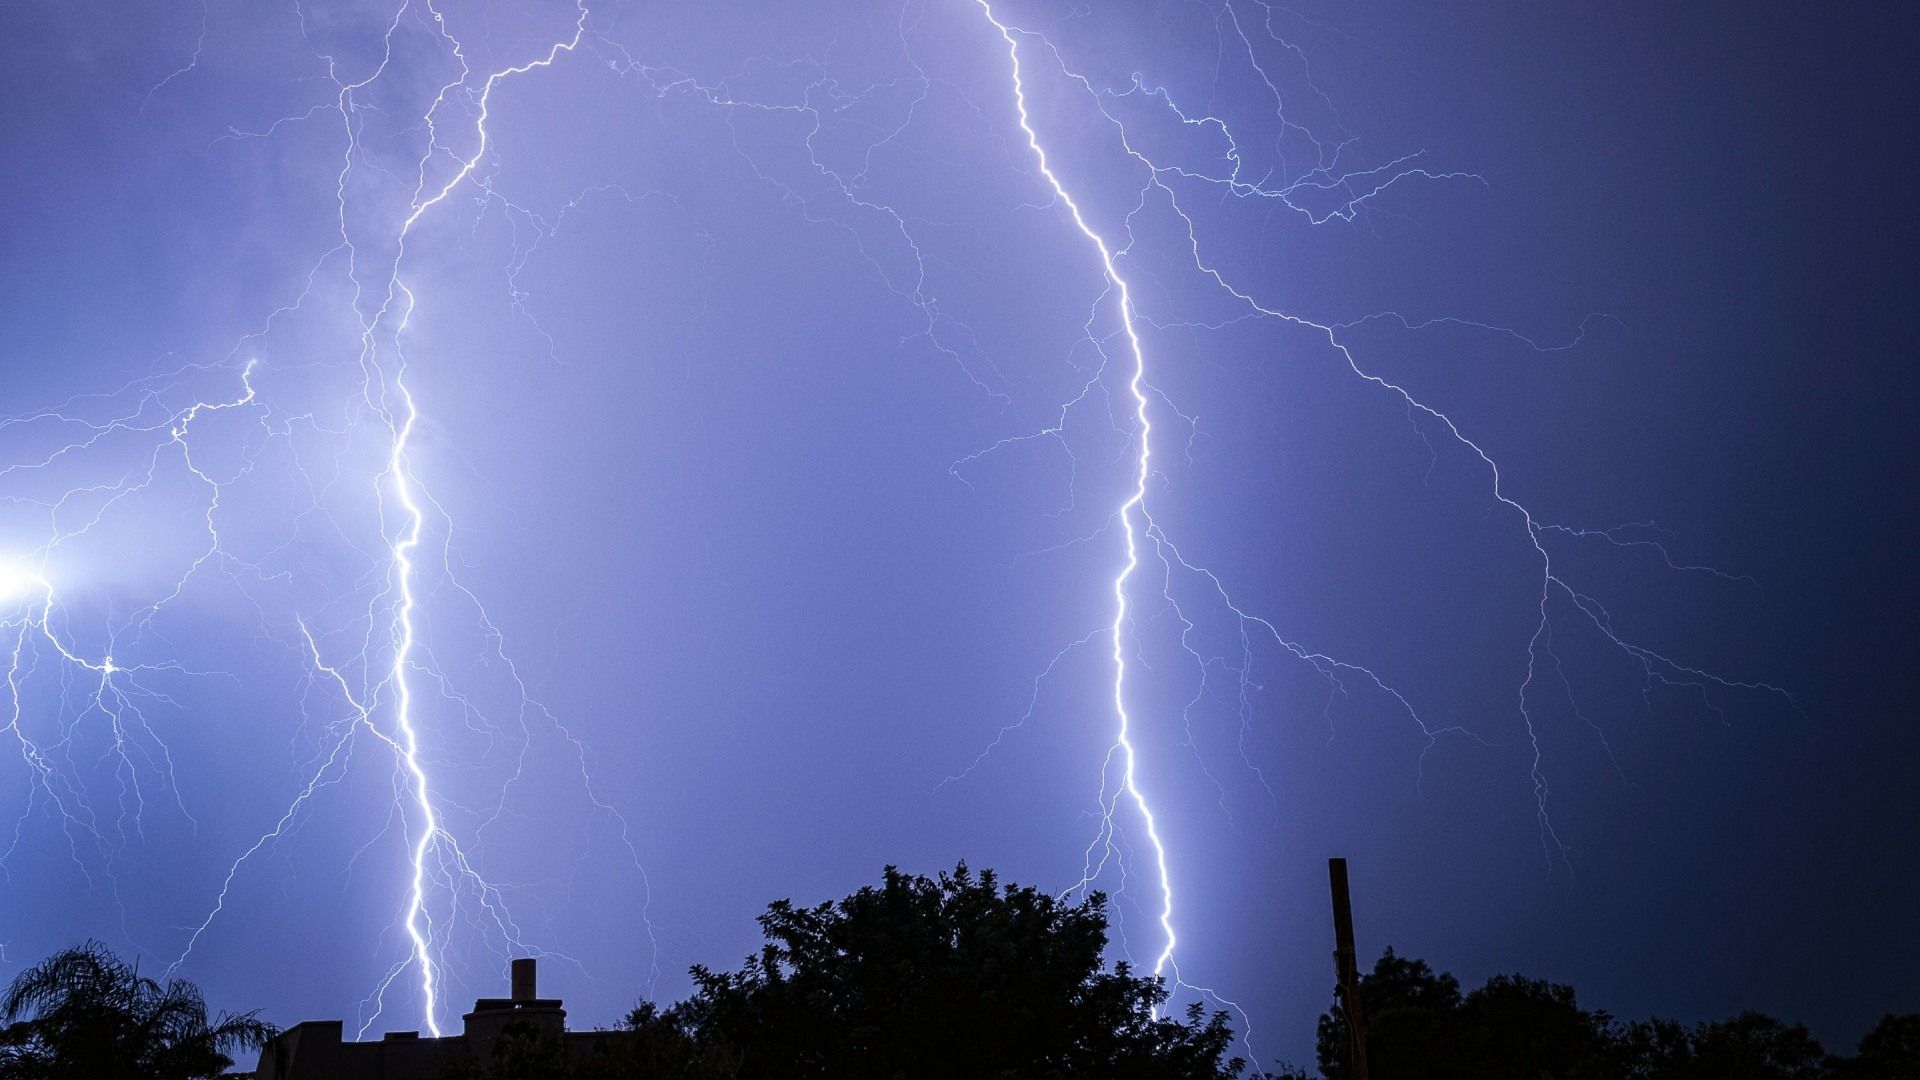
x: 954, y: 977
x: 1891, y: 1051
x: 1515, y: 1028
x: 649, y: 1046
x: 1419, y: 1025
x: 1751, y: 1046
x: 521, y: 1052
x: 1530, y: 1029
x: 1757, y: 1046
x: 659, y: 1045
x: 1652, y: 1050
x: 1411, y: 1019
x: 85, y: 1014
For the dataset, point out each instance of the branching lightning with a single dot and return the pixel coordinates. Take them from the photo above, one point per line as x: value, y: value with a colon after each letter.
x: 61, y: 678
x: 1351, y: 191
x: 340, y: 431
x: 1132, y: 513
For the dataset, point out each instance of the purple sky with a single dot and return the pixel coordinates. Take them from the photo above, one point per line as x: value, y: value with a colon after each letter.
x: 718, y: 481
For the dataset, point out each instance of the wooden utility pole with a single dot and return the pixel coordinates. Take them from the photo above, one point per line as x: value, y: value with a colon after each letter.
x: 1347, y: 968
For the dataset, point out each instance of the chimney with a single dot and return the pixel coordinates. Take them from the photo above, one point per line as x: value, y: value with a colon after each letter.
x: 524, y: 980
x: 492, y: 1016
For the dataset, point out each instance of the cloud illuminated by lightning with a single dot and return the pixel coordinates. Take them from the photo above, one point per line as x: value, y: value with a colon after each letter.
x: 343, y: 426
x: 97, y: 460
x: 1321, y: 193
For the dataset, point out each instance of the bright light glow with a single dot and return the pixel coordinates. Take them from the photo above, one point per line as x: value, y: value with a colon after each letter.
x: 13, y: 582
x: 167, y: 449
x: 375, y: 668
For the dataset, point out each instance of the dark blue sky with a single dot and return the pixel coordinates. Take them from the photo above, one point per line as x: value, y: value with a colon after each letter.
x: 758, y: 504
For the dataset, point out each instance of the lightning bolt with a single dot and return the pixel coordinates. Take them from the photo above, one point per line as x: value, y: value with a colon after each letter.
x: 372, y: 689
x: 399, y: 475
x: 118, y: 692
x: 86, y: 686
x: 1321, y: 193
x: 1131, y: 513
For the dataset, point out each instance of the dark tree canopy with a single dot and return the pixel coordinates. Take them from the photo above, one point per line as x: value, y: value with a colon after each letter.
x: 85, y: 1014
x: 955, y: 976
x: 1420, y: 1027
x: 1409, y: 1011
x: 1891, y: 1051
x: 959, y: 977
x: 523, y: 1052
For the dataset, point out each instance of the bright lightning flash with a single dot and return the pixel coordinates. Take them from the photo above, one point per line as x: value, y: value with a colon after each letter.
x: 337, y: 427
x: 14, y: 582
x: 1132, y: 513
x: 338, y: 419
x: 1323, y: 193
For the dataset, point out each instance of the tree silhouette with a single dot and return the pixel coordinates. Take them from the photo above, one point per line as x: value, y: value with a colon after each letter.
x: 85, y: 1014
x: 1891, y: 1051
x: 1520, y: 1027
x: 521, y: 1052
x: 1757, y: 1045
x: 954, y: 977
x: 1420, y: 1027
x: 958, y: 977
x: 1410, y: 1012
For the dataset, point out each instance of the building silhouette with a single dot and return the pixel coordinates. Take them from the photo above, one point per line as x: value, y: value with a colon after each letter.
x: 316, y: 1049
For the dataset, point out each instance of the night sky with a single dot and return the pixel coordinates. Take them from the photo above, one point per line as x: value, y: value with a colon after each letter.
x: 704, y: 480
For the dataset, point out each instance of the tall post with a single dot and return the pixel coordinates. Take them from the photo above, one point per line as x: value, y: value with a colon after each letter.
x: 1347, y: 968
